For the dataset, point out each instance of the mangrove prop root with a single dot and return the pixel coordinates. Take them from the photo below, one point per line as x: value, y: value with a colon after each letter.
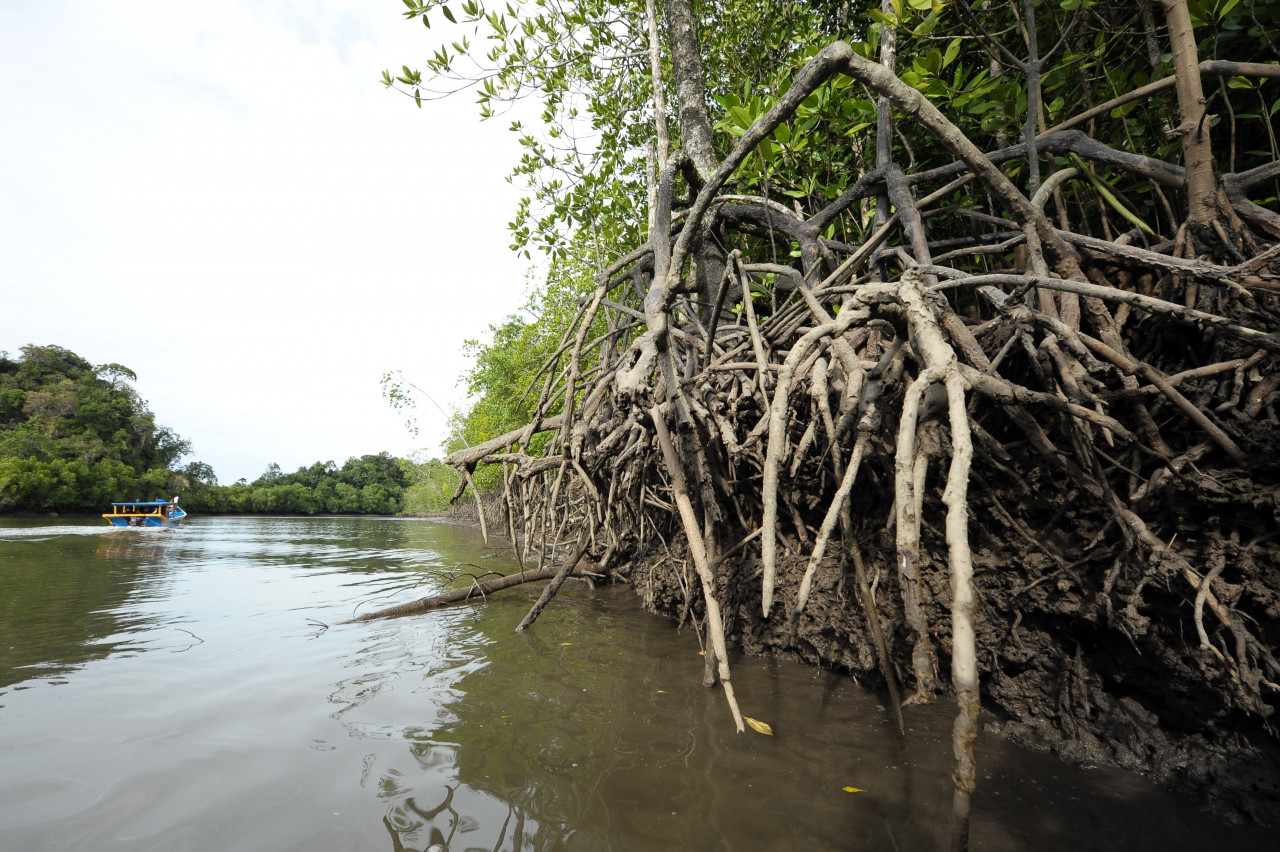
x: 1119, y: 394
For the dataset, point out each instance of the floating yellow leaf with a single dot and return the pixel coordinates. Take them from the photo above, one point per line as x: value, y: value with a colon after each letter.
x: 566, y: 643
x: 758, y: 726
x: 702, y: 653
x: 662, y: 692
x: 853, y: 790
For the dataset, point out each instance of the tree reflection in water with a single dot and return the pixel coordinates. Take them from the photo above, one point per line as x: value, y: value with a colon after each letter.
x: 406, y: 820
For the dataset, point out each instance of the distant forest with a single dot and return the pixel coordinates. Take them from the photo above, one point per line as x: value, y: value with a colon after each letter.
x: 75, y: 437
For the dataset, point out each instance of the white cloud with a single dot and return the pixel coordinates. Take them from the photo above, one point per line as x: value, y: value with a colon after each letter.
x: 225, y: 199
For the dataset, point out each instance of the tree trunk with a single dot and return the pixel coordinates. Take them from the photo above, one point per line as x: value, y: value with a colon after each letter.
x: 659, y: 95
x: 659, y: 153
x: 1206, y: 202
x: 691, y: 93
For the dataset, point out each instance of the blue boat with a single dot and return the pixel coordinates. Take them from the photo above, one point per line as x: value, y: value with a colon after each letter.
x: 157, y: 513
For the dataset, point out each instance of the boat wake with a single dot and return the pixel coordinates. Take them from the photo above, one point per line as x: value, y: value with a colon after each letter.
x: 42, y: 533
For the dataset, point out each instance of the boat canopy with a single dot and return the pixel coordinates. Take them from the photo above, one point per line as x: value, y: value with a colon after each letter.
x: 144, y: 503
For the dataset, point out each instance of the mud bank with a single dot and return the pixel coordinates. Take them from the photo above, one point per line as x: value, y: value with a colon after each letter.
x: 1062, y: 668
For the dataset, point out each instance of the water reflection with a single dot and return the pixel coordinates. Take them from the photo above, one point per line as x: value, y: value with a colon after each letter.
x: 585, y: 734
x: 210, y: 699
x: 409, y: 823
x: 137, y: 545
x: 59, y: 606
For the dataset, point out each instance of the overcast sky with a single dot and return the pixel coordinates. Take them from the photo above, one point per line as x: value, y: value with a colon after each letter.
x: 222, y: 197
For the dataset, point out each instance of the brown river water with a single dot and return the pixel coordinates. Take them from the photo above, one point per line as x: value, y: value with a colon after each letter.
x: 194, y: 690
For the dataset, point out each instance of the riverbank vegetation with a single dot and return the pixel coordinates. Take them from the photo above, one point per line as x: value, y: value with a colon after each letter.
x: 368, y: 485
x: 934, y: 341
x: 75, y: 437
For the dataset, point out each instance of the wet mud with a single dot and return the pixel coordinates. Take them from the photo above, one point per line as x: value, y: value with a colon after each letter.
x: 1082, y: 654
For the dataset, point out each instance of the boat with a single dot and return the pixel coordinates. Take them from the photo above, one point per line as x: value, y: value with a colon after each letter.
x: 156, y: 513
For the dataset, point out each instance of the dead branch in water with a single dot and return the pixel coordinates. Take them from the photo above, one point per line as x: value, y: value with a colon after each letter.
x: 475, y: 590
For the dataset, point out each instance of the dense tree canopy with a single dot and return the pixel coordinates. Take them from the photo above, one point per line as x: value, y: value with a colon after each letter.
x: 75, y: 436
x: 367, y: 485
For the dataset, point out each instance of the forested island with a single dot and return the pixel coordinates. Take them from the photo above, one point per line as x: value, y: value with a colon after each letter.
x: 931, y: 342
x: 75, y: 437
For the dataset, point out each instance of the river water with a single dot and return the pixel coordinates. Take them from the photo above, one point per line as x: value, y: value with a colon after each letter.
x: 193, y: 689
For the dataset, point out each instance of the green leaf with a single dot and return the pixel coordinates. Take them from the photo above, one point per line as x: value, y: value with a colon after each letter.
x: 1105, y: 191
x: 448, y: 14
x: 782, y: 134
x: 953, y: 50
x: 927, y: 26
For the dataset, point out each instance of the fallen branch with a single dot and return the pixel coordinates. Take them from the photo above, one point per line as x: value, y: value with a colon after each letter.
x: 475, y: 590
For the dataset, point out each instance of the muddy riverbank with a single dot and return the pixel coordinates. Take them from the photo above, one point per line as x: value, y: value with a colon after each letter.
x: 1061, y: 671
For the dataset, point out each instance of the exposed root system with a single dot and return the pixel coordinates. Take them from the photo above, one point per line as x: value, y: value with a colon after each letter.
x: 1048, y: 484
